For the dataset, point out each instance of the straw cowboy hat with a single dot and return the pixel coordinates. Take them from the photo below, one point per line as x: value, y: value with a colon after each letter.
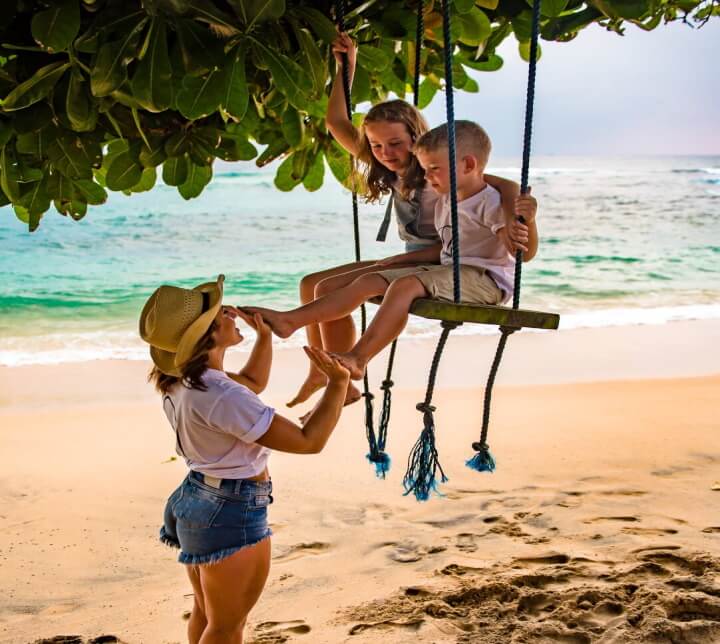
x: 174, y: 319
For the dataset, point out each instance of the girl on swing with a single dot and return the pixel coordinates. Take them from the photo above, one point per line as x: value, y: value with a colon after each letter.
x: 384, y: 147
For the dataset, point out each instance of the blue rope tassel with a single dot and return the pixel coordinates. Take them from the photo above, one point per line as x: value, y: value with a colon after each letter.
x: 381, y: 461
x: 423, y: 462
x: 483, y: 460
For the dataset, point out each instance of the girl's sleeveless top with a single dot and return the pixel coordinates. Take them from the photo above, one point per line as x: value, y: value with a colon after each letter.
x: 415, y: 218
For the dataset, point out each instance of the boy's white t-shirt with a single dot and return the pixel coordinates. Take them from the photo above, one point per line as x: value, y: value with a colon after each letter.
x: 217, y: 429
x: 479, y: 219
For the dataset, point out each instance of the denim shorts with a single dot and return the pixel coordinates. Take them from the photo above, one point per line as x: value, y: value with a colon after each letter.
x: 209, y: 524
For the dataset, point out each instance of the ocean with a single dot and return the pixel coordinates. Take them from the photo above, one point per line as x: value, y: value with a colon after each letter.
x: 623, y: 241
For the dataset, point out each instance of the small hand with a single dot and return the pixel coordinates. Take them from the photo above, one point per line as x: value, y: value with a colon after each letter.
x: 254, y: 321
x: 343, y: 44
x: 330, y: 366
x: 519, y: 235
x: 526, y: 207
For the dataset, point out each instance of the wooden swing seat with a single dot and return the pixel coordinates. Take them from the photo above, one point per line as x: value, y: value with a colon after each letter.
x: 481, y: 314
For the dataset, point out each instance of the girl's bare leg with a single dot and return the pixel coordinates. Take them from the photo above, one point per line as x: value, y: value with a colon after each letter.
x: 315, y: 379
x: 230, y: 589
x: 198, y: 621
x: 387, y: 324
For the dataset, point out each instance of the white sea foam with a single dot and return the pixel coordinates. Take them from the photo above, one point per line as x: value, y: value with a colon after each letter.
x: 58, y: 348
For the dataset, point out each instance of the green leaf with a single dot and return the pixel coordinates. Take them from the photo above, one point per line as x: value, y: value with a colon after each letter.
x: 292, y: 127
x: 91, y: 192
x: 428, y: 89
x: 175, y: 171
x: 147, y: 181
x: 199, y: 49
x: 219, y: 21
x: 33, y: 118
x: 151, y: 83
x: 254, y: 11
x: 313, y: 180
x: 285, y: 179
x: 522, y: 25
x: 9, y: 174
x: 56, y: 28
x: 6, y: 133
x: 200, y: 97
x: 274, y: 150
x: 475, y: 27
x: 553, y: 8
x: 198, y: 176
x: 320, y: 24
x: 36, y: 199
x: 524, y: 49
x: 109, y: 71
x: 339, y: 161
x: 35, y: 88
x: 491, y: 63
x: 235, y: 95
x: 315, y: 63
x: 124, y: 172
x: 152, y: 158
x: 463, y: 6
x: 80, y: 110
x: 372, y: 58
x: 287, y: 75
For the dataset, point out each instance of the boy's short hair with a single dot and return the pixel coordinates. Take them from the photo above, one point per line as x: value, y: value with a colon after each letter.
x: 470, y: 138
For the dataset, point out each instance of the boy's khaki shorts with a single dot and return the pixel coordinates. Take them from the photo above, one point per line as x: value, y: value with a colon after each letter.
x: 476, y: 286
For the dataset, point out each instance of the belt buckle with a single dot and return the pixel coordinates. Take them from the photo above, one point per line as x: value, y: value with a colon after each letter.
x: 212, y: 481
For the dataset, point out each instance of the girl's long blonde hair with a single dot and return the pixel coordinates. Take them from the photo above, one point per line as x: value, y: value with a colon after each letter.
x: 377, y: 179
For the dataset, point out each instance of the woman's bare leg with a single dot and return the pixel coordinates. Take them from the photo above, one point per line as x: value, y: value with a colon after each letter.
x: 230, y: 589
x: 316, y: 379
x: 198, y: 621
x: 388, y: 324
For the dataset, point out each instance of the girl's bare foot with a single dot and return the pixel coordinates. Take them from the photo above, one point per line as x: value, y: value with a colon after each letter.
x: 276, y: 320
x: 352, y: 396
x: 314, y: 381
x: 352, y: 364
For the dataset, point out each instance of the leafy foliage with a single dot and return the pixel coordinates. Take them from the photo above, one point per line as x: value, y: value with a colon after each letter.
x: 96, y: 95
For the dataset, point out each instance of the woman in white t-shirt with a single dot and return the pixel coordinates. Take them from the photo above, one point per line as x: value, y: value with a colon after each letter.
x: 218, y: 515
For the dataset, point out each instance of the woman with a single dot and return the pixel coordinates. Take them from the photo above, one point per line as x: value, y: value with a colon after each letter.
x: 384, y: 147
x: 218, y: 515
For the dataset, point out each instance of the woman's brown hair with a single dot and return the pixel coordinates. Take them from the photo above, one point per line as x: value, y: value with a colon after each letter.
x: 192, y: 370
x: 378, y: 179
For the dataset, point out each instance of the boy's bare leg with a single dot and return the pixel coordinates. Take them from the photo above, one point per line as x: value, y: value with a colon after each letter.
x: 309, y: 284
x: 387, y: 324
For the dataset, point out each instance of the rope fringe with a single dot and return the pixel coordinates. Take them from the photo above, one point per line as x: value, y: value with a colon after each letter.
x: 423, y: 462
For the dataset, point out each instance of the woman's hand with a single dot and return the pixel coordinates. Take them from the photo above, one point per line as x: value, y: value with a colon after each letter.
x: 343, y: 44
x: 254, y: 321
x: 330, y: 366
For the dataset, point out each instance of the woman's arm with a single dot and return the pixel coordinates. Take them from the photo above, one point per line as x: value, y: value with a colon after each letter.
x: 256, y: 372
x: 509, y: 195
x: 285, y: 436
x: 337, y: 121
x: 429, y: 255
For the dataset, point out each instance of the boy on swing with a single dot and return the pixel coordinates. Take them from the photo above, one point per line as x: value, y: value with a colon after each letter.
x: 487, y: 248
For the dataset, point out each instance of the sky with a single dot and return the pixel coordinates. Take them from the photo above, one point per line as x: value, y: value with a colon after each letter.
x: 643, y: 93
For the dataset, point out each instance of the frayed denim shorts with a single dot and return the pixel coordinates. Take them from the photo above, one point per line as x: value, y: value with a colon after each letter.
x: 209, y: 524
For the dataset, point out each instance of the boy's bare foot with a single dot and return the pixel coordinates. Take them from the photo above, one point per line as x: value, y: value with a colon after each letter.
x: 276, y: 320
x: 352, y: 364
x: 352, y: 396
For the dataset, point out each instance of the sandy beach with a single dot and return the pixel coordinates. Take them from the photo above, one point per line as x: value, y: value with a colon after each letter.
x: 600, y: 525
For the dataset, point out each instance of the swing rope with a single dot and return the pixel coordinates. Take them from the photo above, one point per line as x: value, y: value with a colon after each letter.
x: 423, y: 462
x: 482, y: 460
x: 375, y: 453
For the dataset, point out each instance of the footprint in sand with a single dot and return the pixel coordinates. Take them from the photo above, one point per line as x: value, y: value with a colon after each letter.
x: 278, y: 632
x: 626, y: 519
x: 412, y: 624
x: 467, y: 541
x: 288, y: 553
x: 410, y: 551
x: 712, y: 530
x: 649, y: 532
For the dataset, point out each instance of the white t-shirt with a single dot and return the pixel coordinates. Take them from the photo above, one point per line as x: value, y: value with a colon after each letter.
x: 217, y: 429
x: 479, y: 219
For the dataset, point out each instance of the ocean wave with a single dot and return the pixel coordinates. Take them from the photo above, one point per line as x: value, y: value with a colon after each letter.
x: 59, y: 348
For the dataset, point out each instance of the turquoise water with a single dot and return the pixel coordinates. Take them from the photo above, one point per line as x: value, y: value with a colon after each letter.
x: 623, y: 241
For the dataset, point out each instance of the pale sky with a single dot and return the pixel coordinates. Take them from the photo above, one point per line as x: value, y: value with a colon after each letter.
x: 652, y: 92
